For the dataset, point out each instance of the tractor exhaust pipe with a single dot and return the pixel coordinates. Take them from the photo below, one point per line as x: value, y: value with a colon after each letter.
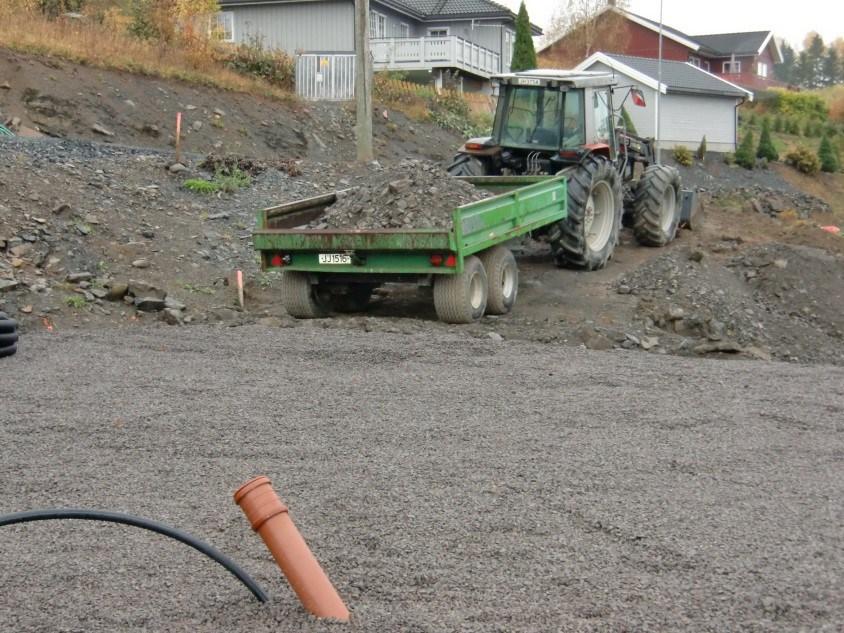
x: 270, y: 519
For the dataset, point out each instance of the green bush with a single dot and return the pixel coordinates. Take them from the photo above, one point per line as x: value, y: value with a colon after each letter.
x: 801, y: 104
x: 804, y: 160
x: 198, y: 185
x: 701, y: 149
x: 778, y: 125
x: 683, y: 156
x: 730, y: 158
x: 766, y: 147
x: 745, y: 156
x: 808, y: 129
x: 226, y: 181
x: 828, y: 157
x: 794, y: 127
x: 753, y: 120
x: 252, y: 59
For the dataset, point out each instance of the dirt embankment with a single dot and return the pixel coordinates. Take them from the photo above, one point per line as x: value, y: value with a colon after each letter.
x: 65, y: 100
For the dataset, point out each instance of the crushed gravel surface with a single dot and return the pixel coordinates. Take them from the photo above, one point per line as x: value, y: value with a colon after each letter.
x: 416, y: 194
x: 445, y: 484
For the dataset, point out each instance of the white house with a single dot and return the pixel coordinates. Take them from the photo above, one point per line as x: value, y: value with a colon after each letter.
x: 693, y: 103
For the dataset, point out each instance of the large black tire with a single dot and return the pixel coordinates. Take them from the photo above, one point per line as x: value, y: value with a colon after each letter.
x: 462, y: 298
x: 300, y: 298
x: 466, y: 165
x: 657, y: 206
x: 8, y: 336
x: 587, y: 238
x: 354, y: 298
x: 502, y: 274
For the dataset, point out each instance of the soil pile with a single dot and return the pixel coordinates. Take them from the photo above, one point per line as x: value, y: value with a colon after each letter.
x: 417, y: 194
x: 769, y: 301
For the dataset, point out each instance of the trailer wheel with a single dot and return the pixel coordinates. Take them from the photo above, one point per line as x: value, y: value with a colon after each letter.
x: 353, y: 298
x: 466, y: 165
x: 657, y: 208
x: 301, y: 298
x: 8, y: 336
x: 462, y: 298
x: 503, y: 277
x: 588, y: 236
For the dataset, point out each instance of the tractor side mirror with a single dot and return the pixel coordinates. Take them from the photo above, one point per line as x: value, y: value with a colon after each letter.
x: 638, y: 97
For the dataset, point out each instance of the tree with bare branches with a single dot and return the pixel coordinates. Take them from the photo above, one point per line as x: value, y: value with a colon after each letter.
x: 582, y: 27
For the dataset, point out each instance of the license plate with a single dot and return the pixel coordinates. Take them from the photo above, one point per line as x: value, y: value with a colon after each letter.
x: 334, y: 258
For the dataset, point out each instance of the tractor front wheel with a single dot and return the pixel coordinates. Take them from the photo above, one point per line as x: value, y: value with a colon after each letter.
x: 657, y: 207
x: 466, y: 165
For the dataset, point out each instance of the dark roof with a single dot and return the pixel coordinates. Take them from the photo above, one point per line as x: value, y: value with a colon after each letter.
x: 681, y: 77
x: 733, y: 43
x: 428, y: 9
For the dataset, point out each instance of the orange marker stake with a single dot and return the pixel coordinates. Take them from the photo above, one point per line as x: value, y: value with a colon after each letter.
x: 240, y: 287
x: 178, y: 137
x: 270, y: 519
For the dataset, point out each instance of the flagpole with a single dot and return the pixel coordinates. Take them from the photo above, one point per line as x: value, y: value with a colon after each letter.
x: 659, y: 91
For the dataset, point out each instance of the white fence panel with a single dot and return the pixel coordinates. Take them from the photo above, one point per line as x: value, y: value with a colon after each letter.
x: 325, y: 77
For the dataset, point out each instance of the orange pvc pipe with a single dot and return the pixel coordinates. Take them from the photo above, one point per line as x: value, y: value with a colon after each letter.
x: 270, y: 519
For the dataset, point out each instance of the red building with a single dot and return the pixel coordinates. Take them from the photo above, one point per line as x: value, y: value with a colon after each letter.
x: 745, y: 59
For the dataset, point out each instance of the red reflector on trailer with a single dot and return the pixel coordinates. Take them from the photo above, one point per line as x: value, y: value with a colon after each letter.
x: 436, y: 260
x: 277, y: 261
x: 474, y: 146
x: 451, y: 261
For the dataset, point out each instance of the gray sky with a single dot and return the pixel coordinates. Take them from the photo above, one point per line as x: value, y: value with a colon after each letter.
x: 790, y: 20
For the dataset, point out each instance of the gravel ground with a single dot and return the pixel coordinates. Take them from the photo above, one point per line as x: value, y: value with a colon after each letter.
x: 445, y: 484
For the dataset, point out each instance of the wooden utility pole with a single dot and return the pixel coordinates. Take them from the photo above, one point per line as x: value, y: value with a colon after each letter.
x: 363, y: 82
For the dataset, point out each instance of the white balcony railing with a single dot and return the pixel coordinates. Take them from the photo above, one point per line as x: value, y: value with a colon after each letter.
x: 426, y: 53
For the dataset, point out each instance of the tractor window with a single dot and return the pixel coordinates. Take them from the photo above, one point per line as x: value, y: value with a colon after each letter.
x: 531, y: 118
x: 574, y: 132
x: 601, y: 102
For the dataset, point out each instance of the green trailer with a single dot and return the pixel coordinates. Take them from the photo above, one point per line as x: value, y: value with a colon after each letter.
x: 471, y: 270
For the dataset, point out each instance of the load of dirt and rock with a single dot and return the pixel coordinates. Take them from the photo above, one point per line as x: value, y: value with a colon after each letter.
x: 415, y: 194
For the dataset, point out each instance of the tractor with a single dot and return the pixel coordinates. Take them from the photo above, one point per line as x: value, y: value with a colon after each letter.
x: 552, y: 122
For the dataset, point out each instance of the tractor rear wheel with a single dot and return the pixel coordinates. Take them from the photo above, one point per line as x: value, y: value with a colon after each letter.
x: 657, y: 209
x: 587, y: 238
x: 466, y: 165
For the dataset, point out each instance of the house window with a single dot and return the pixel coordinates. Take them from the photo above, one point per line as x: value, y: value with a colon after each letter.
x: 706, y: 66
x: 404, y: 30
x: 694, y: 61
x: 377, y: 25
x: 438, y: 32
x: 731, y: 68
x: 762, y: 69
x: 225, y: 26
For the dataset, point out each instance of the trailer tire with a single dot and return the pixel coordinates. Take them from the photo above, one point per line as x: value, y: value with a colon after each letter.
x: 301, y: 298
x: 462, y: 298
x: 355, y: 298
x: 8, y: 336
x: 594, y: 195
x: 466, y: 165
x: 657, y: 206
x: 503, y: 277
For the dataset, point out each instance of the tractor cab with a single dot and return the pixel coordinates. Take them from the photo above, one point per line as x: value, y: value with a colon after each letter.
x: 545, y: 121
